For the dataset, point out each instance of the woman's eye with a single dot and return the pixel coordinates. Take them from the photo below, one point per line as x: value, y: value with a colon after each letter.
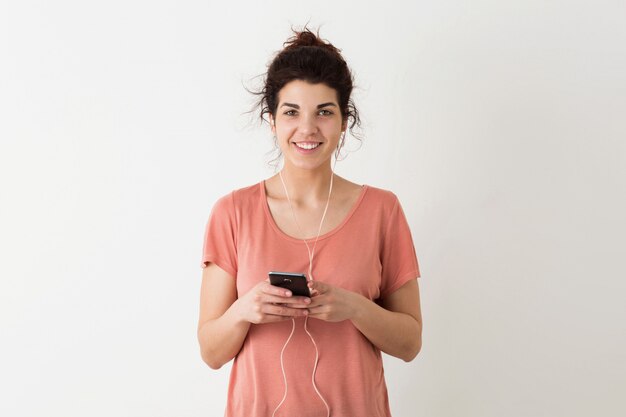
x: 322, y: 112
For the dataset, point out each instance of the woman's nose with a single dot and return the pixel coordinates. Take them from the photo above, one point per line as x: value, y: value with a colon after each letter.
x: 308, y: 125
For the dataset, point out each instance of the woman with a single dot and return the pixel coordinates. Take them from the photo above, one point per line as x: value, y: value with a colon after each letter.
x: 314, y: 355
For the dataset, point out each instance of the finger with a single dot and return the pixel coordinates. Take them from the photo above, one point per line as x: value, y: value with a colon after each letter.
x: 278, y: 310
x: 296, y: 302
x: 321, y: 299
x: 274, y: 290
x: 315, y: 303
x: 283, y: 296
x: 316, y: 307
x: 320, y: 312
x: 318, y: 287
x: 270, y: 318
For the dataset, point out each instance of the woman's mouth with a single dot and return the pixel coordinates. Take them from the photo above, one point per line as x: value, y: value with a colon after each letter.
x: 307, y: 146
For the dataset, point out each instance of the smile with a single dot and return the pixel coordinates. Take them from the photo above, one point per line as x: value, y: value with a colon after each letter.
x: 307, y: 145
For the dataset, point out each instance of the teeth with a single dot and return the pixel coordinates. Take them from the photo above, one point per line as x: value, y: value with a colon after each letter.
x: 307, y: 145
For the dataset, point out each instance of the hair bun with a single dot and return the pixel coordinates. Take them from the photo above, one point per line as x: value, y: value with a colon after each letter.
x: 307, y: 38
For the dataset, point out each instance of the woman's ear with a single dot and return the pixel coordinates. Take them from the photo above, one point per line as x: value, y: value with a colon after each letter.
x: 272, y: 123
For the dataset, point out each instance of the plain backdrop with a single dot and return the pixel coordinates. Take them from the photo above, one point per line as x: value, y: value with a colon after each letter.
x: 499, y: 124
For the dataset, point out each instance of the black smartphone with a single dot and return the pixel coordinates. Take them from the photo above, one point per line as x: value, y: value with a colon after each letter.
x: 296, y: 283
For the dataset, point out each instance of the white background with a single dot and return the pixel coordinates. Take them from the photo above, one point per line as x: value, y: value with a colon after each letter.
x: 500, y: 125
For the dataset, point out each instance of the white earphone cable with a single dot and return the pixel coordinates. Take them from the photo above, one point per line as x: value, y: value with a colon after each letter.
x: 311, y: 254
x: 282, y: 366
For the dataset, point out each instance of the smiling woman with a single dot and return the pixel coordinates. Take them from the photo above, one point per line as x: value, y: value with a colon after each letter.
x: 308, y: 133
x: 318, y: 354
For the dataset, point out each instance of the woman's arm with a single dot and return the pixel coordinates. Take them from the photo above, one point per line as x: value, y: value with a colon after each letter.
x: 220, y: 332
x: 225, y: 319
x: 394, y: 326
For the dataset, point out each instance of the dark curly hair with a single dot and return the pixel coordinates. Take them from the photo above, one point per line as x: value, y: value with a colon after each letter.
x: 305, y: 56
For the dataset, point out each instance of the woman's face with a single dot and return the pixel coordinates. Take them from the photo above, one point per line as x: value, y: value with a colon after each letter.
x: 308, y: 124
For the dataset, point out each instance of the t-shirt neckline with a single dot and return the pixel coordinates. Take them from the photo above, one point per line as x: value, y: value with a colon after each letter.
x: 328, y: 234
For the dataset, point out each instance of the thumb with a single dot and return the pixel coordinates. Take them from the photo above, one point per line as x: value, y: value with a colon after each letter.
x: 317, y: 287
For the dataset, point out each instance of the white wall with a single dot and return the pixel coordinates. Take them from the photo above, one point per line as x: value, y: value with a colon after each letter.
x: 500, y: 125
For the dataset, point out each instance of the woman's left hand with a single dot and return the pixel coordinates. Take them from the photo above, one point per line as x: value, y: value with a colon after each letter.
x: 331, y: 303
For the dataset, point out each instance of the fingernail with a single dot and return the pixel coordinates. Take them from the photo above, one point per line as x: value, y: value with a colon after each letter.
x: 307, y: 300
x: 287, y: 293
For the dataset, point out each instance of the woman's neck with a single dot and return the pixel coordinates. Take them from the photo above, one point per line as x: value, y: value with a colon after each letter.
x: 309, y: 187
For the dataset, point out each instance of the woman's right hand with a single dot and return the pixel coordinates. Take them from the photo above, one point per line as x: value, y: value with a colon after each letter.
x: 266, y: 303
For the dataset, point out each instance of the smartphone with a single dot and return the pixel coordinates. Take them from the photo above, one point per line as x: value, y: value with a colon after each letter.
x: 296, y: 283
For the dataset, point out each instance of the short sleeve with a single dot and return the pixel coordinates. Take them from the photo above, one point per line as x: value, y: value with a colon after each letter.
x: 220, y: 236
x: 398, y: 258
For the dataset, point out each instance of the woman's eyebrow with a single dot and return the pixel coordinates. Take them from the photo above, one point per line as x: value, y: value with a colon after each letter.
x: 319, y: 106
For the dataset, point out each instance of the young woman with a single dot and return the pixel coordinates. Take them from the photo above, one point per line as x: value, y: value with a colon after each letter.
x: 315, y: 355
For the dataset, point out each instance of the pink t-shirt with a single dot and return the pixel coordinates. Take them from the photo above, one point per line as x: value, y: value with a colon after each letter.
x: 371, y: 252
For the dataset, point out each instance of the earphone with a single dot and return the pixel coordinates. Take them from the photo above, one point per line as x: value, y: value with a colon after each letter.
x: 311, y: 254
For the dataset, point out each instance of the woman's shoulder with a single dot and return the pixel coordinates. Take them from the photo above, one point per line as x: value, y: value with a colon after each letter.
x: 371, y: 197
x: 381, y: 197
x: 349, y: 187
x: 248, y: 193
x: 240, y: 197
